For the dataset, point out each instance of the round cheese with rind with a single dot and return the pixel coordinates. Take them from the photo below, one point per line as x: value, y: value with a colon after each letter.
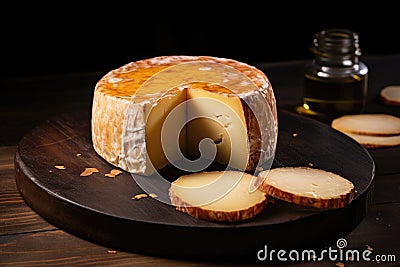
x: 131, y: 106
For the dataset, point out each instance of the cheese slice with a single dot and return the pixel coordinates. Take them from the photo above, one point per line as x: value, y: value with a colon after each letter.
x: 217, y: 196
x: 307, y: 187
x: 373, y: 142
x: 153, y: 112
x: 390, y: 95
x: 376, y: 124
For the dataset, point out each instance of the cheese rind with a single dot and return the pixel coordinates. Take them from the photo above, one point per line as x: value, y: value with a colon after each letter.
x: 132, y: 102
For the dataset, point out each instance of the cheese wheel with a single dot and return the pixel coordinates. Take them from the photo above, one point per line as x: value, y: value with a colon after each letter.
x: 307, y: 186
x: 152, y: 112
x: 236, y: 202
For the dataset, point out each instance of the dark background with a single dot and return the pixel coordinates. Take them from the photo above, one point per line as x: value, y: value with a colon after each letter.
x: 40, y: 40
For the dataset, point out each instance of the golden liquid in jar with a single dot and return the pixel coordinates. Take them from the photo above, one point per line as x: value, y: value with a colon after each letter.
x: 326, y: 99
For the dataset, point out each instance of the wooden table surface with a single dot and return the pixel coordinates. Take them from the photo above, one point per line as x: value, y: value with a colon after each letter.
x: 26, y: 239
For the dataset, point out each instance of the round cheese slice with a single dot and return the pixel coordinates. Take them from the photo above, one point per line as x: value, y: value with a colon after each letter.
x: 236, y: 204
x: 307, y: 187
x: 368, y: 124
x: 371, y: 141
x: 390, y: 95
x: 153, y: 112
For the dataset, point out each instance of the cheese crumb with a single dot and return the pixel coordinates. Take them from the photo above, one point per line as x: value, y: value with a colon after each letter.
x: 60, y: 167
x: 113, y: 173
x: 339, y: 264
x: 152, y: 195
x: 139, y: 196
x: 89, y: 171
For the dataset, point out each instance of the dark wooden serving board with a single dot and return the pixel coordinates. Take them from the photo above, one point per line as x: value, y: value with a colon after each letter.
x: 101, y: 209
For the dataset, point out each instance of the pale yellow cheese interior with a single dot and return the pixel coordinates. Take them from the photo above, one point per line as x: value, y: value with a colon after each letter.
x: 226, y: 124
x: 186, y: 188
x: 154, y: 126
x: 218, y: 115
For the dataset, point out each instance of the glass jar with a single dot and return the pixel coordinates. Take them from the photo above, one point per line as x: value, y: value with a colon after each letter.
x: 335, y: 81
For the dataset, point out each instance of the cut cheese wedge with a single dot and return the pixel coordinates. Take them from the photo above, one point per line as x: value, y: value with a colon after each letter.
x: 218, y: 196
x: 152, y: 112
x: 307, y: 187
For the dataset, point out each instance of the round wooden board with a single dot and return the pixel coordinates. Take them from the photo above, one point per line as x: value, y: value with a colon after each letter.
x: 101, y: 209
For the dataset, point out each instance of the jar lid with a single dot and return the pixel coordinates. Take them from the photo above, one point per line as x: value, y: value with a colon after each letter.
x: 336, y: 41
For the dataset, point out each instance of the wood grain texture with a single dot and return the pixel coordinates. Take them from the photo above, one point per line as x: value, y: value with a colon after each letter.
x: 58, y: 248
x: 7, y: 168
x: 15, y: 216
x: 100, y: 209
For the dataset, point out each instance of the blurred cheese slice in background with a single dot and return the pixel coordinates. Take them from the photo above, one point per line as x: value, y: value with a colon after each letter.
x: 390, y: 95
x: 370, y: 130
